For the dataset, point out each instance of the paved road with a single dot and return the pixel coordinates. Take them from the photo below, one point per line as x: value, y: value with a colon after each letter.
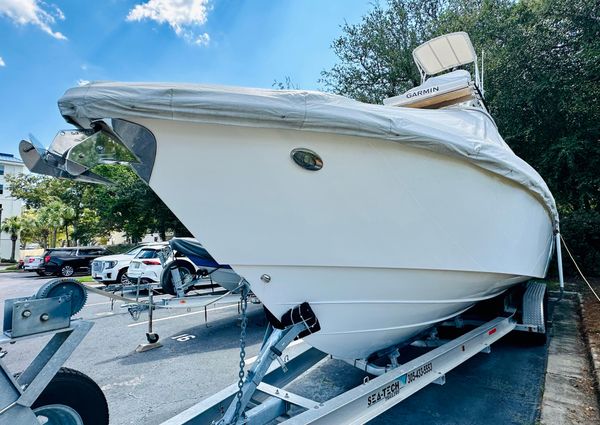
x: 503, y: 387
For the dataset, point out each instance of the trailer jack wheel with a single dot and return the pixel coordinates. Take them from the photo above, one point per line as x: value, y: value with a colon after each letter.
x: 152, y: 337
x: 71, y: 398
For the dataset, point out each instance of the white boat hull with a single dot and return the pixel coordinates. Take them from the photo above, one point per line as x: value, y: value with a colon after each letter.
x: 383, y: 242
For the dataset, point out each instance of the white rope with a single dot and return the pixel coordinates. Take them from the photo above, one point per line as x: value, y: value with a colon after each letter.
x: 578, y: 269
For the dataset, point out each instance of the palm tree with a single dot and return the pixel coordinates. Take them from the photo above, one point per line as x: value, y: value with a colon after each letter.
x: 56, y: 216
x: 12, y: 225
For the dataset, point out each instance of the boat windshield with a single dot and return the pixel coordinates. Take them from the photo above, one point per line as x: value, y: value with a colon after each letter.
x: 99, y: 148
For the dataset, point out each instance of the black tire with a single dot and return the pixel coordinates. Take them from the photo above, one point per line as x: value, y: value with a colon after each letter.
x: 44, y: 273
x: 77, y: 391
x: 152, y: 337
x: 166, y: 280
x: 66, y: 270
x: 123, y: 272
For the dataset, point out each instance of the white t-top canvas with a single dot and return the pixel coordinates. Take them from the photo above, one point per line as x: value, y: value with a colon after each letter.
x: 445, y: 52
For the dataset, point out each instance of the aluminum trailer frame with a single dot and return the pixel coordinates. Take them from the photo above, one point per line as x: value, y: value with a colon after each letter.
x: 264, y: 398
x: 17, y: 395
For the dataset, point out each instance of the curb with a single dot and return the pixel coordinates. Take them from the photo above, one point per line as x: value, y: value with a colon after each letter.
x: 593, y: 351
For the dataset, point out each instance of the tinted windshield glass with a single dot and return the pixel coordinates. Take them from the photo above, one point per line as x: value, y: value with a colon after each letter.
x: 147, y: 253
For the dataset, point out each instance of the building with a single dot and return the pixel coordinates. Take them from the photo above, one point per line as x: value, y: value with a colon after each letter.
x: 9, y: 206
x: 117, y: 238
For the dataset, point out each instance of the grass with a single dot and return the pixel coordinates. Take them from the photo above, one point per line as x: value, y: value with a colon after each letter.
x: 9, y: 269
x: 85, y: 279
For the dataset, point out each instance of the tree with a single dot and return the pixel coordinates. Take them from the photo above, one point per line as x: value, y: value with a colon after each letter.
x: 93, y: 211
x: 50, y: 218
x: 376, y: 55
x: 12, y: 225
x: 542, y: 85
x: 30, y: 229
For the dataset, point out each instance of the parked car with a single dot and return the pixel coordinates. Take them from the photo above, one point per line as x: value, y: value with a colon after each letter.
x: 34, y: 263
x: 146, y: 265
x: 113, y: 268
x: 189, y: 257
x: 68, y: 261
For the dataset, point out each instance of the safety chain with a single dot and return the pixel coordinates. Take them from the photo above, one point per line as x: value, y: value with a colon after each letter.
x: 241, y: 373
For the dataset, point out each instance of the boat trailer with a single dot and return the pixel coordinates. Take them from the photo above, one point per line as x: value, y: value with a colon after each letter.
x: 260, y: 397
x: 182, y: 298
x: 46, y: 392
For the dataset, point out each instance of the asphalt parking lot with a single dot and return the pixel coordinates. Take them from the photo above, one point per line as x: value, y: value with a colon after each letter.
x: 504, y: 387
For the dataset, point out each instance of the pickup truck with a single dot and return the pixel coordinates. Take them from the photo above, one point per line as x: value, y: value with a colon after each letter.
x: 66, y: 262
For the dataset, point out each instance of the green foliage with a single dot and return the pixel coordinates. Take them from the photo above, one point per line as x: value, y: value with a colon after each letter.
x: 30, y: 231
x: 12, y: 225
x: 84, y: 212
x: 376, y: 55
x: 542, y: 78
x: 131, y: 206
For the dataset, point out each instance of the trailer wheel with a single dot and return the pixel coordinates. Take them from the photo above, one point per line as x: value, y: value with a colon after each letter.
x: 71, y: 398
x: 166, y: 280
x: 152, y: 337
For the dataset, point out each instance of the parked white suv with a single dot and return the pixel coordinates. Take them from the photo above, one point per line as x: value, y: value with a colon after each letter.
x: 146, y: 264
x: 114, y: 268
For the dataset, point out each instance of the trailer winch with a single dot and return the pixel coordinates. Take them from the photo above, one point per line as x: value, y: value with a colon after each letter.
x: 46, y: 392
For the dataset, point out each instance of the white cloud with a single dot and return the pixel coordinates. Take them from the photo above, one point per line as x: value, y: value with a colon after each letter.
x: 34, y: 12
x: 183, y: 16
x: 202, y: 39
x: 81, y: 82
x: 2, y: 63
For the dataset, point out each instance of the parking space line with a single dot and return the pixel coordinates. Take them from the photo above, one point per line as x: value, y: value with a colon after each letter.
x: 180, y: 315
x: 291, y: 344
x: 103, y: 303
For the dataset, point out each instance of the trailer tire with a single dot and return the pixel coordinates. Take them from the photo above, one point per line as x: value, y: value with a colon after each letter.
x: 77, y: 391
x: 152, y: 337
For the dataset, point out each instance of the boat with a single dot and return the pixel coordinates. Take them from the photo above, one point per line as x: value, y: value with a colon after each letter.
x: 386, y: 219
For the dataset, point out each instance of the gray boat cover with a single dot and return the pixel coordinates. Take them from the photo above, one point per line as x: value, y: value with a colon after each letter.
x: 189, y: 246
x: 466, y: 133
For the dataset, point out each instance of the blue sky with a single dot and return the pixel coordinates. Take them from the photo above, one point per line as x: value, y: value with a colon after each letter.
x: 47, y: 47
